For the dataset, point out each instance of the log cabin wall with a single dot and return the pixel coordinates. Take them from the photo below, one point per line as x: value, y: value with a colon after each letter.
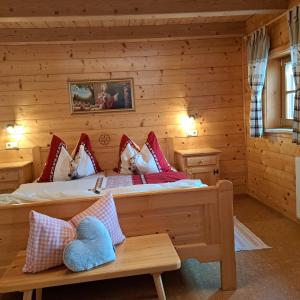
x: 202, y: 77
x: 271, y: 159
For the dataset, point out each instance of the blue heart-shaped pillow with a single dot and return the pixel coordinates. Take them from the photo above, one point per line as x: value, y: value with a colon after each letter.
x: 93, y: 246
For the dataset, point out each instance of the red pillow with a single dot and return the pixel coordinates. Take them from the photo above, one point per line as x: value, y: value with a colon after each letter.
x: 154, y: 148
x: 128, y: 149
x: 57, y: 166
x: 85, y: 162
x: 150, y: 159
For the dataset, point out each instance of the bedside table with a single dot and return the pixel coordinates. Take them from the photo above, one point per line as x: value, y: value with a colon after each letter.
x: 13, y: 174
x: 202, y: 163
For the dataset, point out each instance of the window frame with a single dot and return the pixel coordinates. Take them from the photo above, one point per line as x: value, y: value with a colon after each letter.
x: 274, y: 99
x: 284, y: 122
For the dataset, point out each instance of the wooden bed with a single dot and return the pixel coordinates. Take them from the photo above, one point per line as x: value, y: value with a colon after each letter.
x: 198, y: 220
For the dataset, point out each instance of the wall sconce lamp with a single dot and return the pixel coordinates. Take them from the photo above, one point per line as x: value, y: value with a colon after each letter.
x: 15, y: 133
x: 189, y: 125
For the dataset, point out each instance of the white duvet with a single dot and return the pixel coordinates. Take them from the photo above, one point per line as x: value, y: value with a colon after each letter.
x: 32, y: 192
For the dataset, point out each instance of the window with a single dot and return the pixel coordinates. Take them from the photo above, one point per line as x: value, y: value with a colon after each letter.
x: 288, y: 93
x: 279, y: 94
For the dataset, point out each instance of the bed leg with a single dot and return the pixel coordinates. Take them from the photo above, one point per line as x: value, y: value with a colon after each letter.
x: 38, y: 294
x: 227, y: 264
x: 159, y: 286
x: 27, y: 295
x: 228, y: 276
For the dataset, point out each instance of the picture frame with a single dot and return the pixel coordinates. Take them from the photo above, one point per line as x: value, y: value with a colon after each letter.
x: 100, y: 96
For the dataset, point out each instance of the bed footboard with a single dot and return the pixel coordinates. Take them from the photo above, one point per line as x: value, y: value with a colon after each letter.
x: 198, y: 220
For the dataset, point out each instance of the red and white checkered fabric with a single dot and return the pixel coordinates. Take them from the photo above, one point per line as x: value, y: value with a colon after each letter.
x: 48, y: 236
x: 105, y: 210
x: 47, y: 239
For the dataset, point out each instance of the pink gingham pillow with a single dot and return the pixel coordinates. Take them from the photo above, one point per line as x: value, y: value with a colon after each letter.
x: 47, y: 239
x: 48, y: 236
x: 105, y: 210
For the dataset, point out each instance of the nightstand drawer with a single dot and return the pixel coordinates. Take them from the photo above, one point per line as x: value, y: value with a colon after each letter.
x: 201, y: 160
x: 12, y: 174
x: 202, y: 163
x: 8, y: 187
x: 9, y: 175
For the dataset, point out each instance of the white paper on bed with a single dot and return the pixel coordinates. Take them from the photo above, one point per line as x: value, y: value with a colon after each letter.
x: 32, y: 192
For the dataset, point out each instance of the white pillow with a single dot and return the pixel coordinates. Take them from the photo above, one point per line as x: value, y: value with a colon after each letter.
x: 60, y: 165
x: 128, y: 151
x: 145, y: 162
x: 150, y: 159
x: 57, y: 166
x: 85, y: 162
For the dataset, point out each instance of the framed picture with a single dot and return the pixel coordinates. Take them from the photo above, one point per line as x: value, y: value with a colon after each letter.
x: 101, y: 96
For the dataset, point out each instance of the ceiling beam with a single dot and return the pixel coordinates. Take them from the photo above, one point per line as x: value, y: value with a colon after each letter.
x: 293, y: 3
x: 99, y: 34
x: 20, y: 10
x: 110, y: 18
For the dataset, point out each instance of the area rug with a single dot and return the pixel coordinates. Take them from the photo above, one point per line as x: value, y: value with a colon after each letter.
x: 245, y: 239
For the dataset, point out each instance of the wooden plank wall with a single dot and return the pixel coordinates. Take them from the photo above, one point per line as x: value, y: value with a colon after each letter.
x: 171, y: 78
x: 271, y: 159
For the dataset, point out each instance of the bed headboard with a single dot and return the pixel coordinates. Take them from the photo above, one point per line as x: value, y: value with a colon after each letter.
x: 107, y: 156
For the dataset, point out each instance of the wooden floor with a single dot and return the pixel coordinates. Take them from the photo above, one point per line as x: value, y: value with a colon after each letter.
x: 271, y: 274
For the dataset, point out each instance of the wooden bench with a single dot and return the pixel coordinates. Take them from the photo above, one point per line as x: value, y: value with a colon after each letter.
x: 149, y: 254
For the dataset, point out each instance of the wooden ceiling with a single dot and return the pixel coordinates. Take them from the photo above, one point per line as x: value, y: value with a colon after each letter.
x: 64, y: 8
x: 34, y: 21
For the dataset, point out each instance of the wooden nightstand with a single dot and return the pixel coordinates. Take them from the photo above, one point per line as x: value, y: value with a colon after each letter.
x: 199, y: 164
x: 13, y: 174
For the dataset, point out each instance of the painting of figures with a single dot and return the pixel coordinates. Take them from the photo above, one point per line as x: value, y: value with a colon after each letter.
x: 101, y: 96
